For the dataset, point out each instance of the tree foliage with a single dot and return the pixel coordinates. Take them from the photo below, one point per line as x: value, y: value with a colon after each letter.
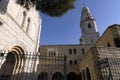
x: 52, y: 8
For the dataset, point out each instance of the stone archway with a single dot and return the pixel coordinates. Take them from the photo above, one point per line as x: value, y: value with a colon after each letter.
x: 58, y: 76
x: 8, y: 66
x: 11, y: 63
x: 88, y: 75
x: 20, y: 61
x: 43, y: 76
x: 72, y: 76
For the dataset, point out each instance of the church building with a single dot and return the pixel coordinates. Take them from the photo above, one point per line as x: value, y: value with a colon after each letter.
x: 21, y: 58
x: 19, y: 39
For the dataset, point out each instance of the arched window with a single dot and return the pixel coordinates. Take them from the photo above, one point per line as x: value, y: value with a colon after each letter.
x: 89, y: 25
x: 92, y: 41
x: 75, y: 62
x: 58, y: 76
x: 28, y: 24
x: 24, y: 17
x: 83, y: 51
x: 49, y: 53
x: 71, y: 62
x: 43, y: 76
x: 74, y: 51
x: 54, y: 53
x: 70, y: 51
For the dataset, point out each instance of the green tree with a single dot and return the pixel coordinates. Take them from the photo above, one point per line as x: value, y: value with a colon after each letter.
x: 52, y: 8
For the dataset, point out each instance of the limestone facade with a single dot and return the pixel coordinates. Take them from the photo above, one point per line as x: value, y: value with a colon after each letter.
x: 94, y: 59
x: 19, y: 37
x: 18, y: 27
x: 103, y: 59
x: 70, y: 51
x: 111, y: 37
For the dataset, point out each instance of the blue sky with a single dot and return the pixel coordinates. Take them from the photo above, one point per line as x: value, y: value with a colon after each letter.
x: 66, y: 29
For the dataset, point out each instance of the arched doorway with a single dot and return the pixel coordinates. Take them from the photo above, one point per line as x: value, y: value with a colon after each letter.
x: 80, y: 76
x: 11, y: 63
x: 72, y: 76
x: 8, y: 66
x: 58, y: 76
x: 88, y: 74
x: 43, y: 76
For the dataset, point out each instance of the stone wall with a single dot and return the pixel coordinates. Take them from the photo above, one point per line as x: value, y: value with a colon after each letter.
x: 64, y: 50
x: 102, y: 62
x: 19, y: 36
x: 16, y: 31
x: 88, y: 62
x: 107, y: 39
x: 109, y: 62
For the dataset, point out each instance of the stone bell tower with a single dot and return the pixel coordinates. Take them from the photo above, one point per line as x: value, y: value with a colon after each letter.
x: 88, y: 27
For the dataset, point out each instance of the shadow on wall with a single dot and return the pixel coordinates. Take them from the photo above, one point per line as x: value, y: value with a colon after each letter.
x: 19, y: 76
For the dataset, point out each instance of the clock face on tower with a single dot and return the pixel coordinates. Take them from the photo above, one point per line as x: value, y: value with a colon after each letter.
x: 3, y: 6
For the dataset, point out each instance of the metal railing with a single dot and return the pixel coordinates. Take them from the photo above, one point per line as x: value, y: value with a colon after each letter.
x: 25, y: 67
